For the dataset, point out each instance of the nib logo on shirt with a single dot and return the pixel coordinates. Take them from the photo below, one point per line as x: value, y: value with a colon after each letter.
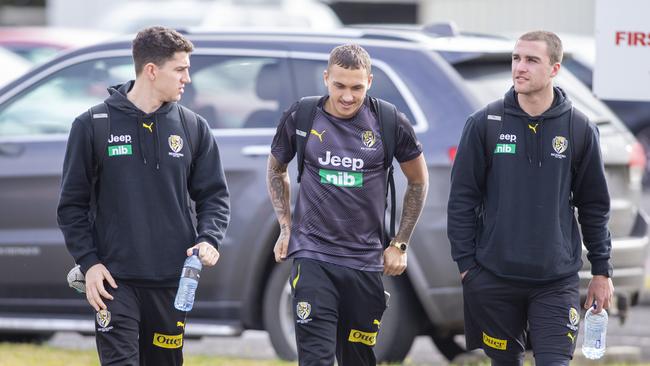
x: 341, y: 179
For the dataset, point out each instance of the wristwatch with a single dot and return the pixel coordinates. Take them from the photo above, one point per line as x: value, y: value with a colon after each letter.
x: 402, y: 246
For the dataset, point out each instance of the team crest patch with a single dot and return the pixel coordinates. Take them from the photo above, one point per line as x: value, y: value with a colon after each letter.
x: 368, y: 138
x: 574, y: 319
x: 176, y: 145
x: 103, y: 318
x: 303, y: 310
x: 560, y: 144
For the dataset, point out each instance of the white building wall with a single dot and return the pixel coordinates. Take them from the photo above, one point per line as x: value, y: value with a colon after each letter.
x: 507, y: 16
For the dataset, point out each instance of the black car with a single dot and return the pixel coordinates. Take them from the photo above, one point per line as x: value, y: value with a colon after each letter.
x: 241, y: 83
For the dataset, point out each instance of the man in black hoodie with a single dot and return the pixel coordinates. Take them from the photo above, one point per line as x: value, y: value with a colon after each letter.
x: 124, y: 212
x: 511, y: 219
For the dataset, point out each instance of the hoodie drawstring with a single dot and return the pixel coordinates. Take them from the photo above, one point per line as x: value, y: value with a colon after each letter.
x: 535, y: 138
x: 540, y: 143
x: 139, y: 127
x: 153, y: 128
x: 156, y: 142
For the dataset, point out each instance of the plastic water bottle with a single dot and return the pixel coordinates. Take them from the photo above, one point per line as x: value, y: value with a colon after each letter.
x: 593, y: 346
x: 189, y: 282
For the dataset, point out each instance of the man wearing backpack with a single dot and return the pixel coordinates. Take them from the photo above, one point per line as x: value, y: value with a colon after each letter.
x: 130, y: 164
x: 346, y: 142
x: 524, y: 165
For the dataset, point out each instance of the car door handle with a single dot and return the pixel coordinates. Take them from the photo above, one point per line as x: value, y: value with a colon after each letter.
x: 256, y: 150
x: 11, y: 149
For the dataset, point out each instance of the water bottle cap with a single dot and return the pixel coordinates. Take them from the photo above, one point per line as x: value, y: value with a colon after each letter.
x: 195, y: 252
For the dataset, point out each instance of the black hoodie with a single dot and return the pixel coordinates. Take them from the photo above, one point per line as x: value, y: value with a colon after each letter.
x: 143, y: 223
x: 515, y: 218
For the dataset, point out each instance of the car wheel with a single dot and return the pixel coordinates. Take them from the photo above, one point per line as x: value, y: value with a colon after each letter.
x: 36, y: 338
x: 278, y: 314
x: 447, y: 346
x: 643, y: 137
x: 398, y: 324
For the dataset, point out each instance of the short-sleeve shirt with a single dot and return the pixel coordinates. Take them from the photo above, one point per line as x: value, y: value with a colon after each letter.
x: 339, y: 213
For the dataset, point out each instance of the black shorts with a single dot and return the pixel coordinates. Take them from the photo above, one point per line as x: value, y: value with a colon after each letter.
x: 501, y: 314
x: 337, y: 311
x: 140, y: 327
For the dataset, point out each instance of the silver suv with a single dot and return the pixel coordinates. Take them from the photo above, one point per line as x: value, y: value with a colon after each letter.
x: 242, y: 81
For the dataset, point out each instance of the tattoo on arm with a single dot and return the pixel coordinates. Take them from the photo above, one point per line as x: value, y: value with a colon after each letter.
x: 277, y: 180
x: 413, y: 202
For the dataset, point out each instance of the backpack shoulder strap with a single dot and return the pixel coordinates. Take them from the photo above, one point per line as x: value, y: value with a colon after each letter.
x: 578, y: 124
x: 493, y: 122
x: 304, y: 119
x: 387, y: 117
x: 101, y: 124
x: 190, y: 123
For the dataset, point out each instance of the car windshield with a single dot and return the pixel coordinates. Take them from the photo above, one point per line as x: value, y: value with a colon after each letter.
x: 490, y: 79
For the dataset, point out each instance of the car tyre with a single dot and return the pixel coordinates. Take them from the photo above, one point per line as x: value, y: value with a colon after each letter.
x: 448, y: 346
x: 399, y: 322
x: 278, y: 314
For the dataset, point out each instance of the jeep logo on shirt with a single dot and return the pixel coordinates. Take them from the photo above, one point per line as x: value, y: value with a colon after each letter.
x: 346, y: 162
x: 121, y: 138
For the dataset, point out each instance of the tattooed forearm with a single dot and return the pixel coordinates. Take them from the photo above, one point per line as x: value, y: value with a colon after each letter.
x: 414, y: 198
x: 277, y: 181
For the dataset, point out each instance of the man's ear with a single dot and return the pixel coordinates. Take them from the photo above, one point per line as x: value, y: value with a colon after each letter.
x: 555, y: 69
x: 150, y: 70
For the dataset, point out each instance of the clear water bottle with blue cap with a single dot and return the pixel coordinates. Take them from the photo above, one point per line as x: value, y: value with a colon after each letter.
x: 593, y: 346
x: 189, y: 282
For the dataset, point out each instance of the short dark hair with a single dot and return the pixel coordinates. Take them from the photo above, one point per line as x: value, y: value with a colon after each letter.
x: 553, y: 43
x: 350, y: 56
x: 157, y: 45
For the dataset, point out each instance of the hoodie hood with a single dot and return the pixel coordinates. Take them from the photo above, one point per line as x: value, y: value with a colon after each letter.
x: 117, y: 99
x: 561, y: 104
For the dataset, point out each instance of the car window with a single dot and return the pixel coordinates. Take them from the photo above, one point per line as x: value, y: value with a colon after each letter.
x: 50, y: 106
x: 490, y: 80
x: 239, y: 91
x: 309, y: 76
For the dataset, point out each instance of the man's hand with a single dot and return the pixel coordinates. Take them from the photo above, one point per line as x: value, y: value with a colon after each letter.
x: 394, y: 261
x: 462, y: 275
x: 282, y: 245
x: 601, y: 290
x: 95, y: 290
x: 208, y: 254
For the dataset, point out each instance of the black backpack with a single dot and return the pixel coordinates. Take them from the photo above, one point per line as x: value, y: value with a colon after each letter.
x: 578, y: 123
x: 387, y: 116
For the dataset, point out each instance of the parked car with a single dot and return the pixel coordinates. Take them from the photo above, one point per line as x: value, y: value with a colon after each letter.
x: 12, y: 66
x: 241, y: 82
x: 635, y: 114
x: 185, y: 14
x: 39, y: 44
